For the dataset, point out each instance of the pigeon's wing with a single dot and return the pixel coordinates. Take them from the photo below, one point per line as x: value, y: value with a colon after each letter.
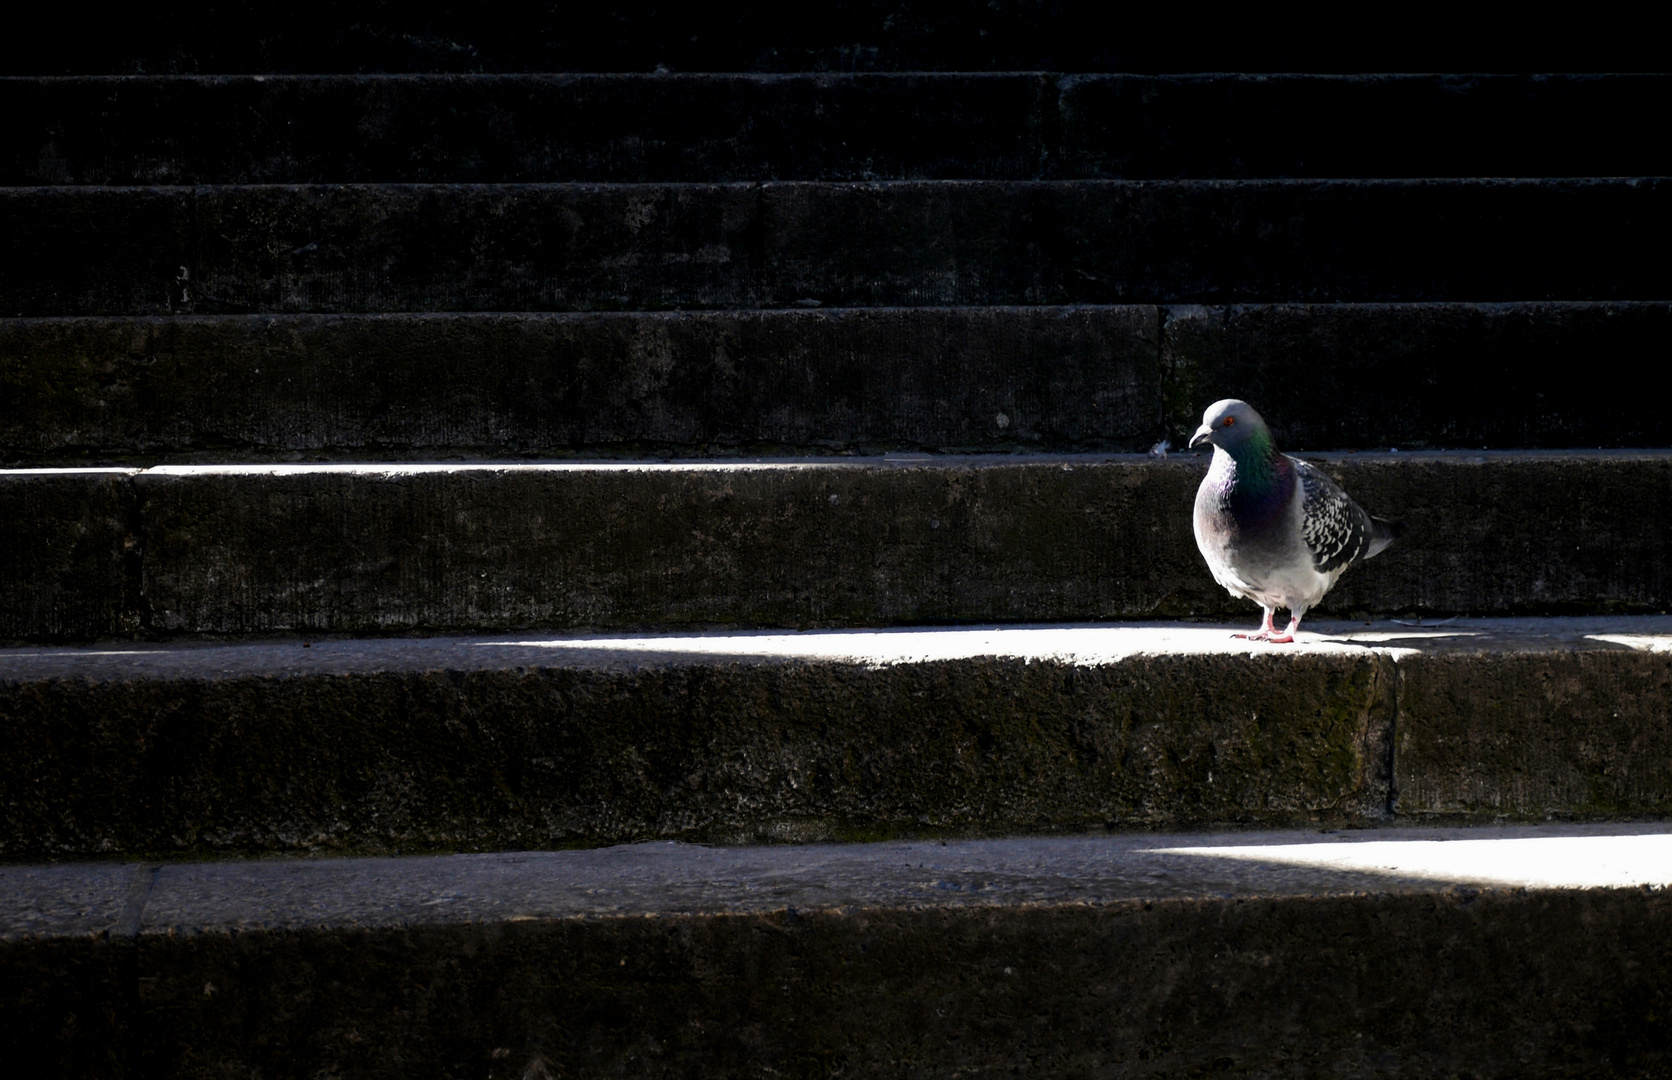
x: 1333, y: 526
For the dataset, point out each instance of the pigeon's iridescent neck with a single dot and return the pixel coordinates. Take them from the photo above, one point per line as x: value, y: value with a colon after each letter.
x: 1256, y: 480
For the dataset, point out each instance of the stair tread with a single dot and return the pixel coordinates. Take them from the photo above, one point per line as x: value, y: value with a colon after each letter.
x: 1090, y: 644
x: 1499, y: 952
x: 672, y: 879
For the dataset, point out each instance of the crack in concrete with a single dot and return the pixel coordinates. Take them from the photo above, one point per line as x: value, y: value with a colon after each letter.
x: 140, y: 887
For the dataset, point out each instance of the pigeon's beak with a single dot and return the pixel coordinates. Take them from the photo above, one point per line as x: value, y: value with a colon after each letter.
x: 1203, y: 434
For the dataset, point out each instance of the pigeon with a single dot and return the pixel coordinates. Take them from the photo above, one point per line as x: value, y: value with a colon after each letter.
x: 1274, y: 529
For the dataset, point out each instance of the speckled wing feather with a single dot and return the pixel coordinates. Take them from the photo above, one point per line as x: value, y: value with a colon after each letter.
x: 1333, y: 526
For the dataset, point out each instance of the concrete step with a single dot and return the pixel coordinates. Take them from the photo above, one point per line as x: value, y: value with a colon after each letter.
x: 518, y: 741
x: 842, y: 379
x: 124, y: 390
x: 706, y: 128
x: 1500, y: 952
x: 139, y: 251
x: 200, y: 36
x: 822, y: 542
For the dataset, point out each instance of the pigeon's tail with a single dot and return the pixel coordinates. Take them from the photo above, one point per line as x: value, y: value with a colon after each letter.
x: 1382, y: 533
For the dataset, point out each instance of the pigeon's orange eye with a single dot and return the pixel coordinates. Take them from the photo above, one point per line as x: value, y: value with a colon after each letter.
x: 1229, y: 420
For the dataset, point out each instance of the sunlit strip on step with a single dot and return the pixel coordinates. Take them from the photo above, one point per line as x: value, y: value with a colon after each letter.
x: 1546, y: 862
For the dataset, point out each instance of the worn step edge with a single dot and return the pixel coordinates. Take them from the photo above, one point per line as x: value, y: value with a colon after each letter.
x: 853, y: 541
x: 101, y: 900
x: 130, y: 390
x: 1391, y: 952
x: 508, y: 742
x: 702, y: 127
x: 574, y: 247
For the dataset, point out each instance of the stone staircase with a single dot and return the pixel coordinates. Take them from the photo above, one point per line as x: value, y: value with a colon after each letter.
x: 421, y: 468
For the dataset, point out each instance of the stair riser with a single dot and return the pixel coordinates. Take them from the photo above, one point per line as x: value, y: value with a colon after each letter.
x: 74, y: 251
x: 542, y: 747
x: 1496, y: 985
x: 69, y: 556
x: 629, y: 128
x: 242, y: 388
x: 1424, y: 375
x: 236, y: 388
x: 789, y: 545
x: 726, y: 752
x: 1568, y: 734
x: 529, y: 129
x: 869, y: 35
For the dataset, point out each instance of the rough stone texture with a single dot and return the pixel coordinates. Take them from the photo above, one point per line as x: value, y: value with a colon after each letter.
x: 67, y: 551
x: 832, y: 542
x: 669, y: 878
x: 243, y: 388
x: 581, y: 247
x: 67, y: 1007
x: 1417, y: 375
x: 532, y: 128
x: 1496, y: 985
x: 543, y: 750
x: 861, y: 542
x: 1097, y: 957
x: 850, y: 35
x: 240, y: 387
x: 865, y: 544
x: 1532, y: 737
x: 538, y: 742
x: 614, y: 128
x: 1513, y: 533
x: 68, y: 960
x: 1255, y: 126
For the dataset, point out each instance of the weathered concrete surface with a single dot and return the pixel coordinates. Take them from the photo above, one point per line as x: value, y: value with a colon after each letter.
x: 67, y: 554
x: 1512, y: 533
x: 67, y: 989
x: 449, y: 744
x: 705, y: 128
x: 196, y: 36
x: 1254, y: 126
x: 583, y: 247
x: 1535, y: 736
x: 245, y: 388
x: 863, y: 544
x: 843, y: 542
x: 1347, y: 376
x: 529, y: 129
x: 827, y: 542
x: 425, y: 744
x: 1269, y: 954
x: 849, y: 379
x: 1546, y: 719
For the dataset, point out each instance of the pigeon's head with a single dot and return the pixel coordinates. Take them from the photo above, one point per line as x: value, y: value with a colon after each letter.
x: 1230, y: 424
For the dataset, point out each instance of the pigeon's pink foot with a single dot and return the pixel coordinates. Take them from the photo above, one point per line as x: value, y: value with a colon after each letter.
x: 1265, y: 631
x: 1268, y: 632
x: 1287, y: 637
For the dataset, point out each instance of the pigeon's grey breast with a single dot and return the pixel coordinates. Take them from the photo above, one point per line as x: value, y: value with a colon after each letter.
x: 1334, y: 527
x: 1254, y: 551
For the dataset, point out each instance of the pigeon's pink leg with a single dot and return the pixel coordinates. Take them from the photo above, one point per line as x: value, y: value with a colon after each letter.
x: 1288, y: 635
x: 1265, y: 631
